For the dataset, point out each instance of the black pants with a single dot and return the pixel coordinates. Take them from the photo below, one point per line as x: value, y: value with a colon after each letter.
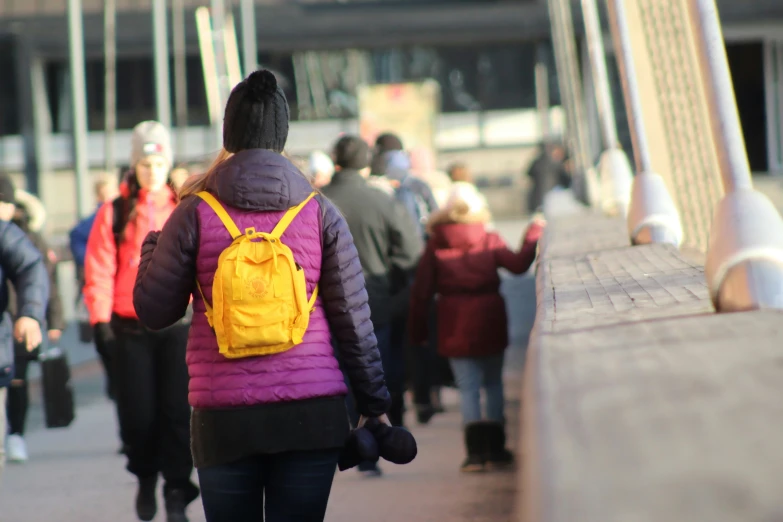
x: 394, y: 370
x: 106, y: 352
x: 151, y: 381
x: 18, y: 395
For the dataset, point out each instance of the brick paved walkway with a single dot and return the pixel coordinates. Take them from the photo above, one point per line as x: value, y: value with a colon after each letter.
x: 641, y: 403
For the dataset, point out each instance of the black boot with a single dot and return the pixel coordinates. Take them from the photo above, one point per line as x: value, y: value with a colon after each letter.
x: 497, y: 456
x: 476, y: 448
x: 177, y: 499
x: 397, y: 411
x: 146, y: 505
x: 425, y: 413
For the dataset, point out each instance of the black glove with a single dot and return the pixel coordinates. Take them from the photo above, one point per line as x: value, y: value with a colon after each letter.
x: 395, y: 444
x: 376, y: 439
x: 104, y: 334
x: 360, y: 447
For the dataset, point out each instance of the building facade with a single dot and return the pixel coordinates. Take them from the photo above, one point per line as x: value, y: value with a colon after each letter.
x: 481, y: 52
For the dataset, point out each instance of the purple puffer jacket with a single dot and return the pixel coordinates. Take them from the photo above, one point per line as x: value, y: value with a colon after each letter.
x: 256, y: 187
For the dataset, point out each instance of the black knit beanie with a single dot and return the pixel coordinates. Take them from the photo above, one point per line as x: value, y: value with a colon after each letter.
x: 351, y: 152
x: 256, y: 115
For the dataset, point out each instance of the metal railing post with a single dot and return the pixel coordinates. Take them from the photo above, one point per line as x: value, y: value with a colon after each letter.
x: 79, y: 106
x: 160, y: 42
x: 180, y: 74
x: 652, y: 214
x: 744, y: 267
x: 249, y: 37
x: 110, y: 86
x: 585, y: 184
x: 613, y: 167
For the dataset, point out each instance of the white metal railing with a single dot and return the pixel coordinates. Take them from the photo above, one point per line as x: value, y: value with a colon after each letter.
x: 652, y: 215
x: 744, y: 267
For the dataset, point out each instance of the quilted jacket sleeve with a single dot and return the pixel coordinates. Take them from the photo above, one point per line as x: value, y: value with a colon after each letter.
x: 55, y: 319
x: 348, y: 312
x: 167, y: 271
x: 24, y: 266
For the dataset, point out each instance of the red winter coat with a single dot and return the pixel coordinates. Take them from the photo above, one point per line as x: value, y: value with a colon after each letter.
x: 460, y: 267
x: 108, y: 287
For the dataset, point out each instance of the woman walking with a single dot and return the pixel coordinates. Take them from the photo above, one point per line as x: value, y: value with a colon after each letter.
x: 459, y: 269
x: 272, y: 269
x: 30, y: 217
x: 150, y: 374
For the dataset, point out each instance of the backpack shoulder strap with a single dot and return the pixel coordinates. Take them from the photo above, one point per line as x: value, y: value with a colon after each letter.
x: 289, y: 217
x: 119, y: 219
x: 221, y: 213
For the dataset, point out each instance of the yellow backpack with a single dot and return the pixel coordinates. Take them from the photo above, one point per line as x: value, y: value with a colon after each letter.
x: 259, y: 294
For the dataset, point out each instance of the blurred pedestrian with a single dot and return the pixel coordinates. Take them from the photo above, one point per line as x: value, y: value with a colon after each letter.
x: 30, y: 221
x: 178, y: 177
x: 106, y: 190
x: 320, y: 169
x: 423, y: 166
x: 269, y: 418
x: 150, y: 375
x: 389, y: 246
x: 386, y: 142
x: 23, y: 266
x: 414, y: 193
x: 459, y: 269
x: 547, y: 172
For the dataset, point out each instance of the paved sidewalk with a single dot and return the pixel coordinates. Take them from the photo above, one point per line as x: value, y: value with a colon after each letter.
x: 75, y: 475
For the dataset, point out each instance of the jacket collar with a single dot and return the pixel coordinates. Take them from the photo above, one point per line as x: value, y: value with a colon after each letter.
x: 348, y: 177
x: 259, y: 180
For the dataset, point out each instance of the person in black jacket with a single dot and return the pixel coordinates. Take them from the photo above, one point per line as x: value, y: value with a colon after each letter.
x: 547, y: 172
x: 22, y: 264
x: 18, y: 392
x: 388, y: 244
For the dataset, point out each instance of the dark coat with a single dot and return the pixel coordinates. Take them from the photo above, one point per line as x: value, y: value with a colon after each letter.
x: 545, y: 174
x: 259, y: 181
x: 385, y: 236
x: 22, y: 264
x: 460, y: 267
x: 78, y: 237
x: 55, y: 317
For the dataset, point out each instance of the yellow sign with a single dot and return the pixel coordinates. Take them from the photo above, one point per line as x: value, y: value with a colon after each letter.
x: 409, y: 110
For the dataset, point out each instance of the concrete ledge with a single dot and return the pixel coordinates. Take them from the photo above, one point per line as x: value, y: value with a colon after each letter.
x: 639, y: 402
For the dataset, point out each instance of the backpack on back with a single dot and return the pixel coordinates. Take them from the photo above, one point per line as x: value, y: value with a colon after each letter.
x: 259, y: 294
x: 414, y: 204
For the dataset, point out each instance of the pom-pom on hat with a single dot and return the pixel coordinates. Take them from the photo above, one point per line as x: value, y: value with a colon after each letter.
x: 256, y: 115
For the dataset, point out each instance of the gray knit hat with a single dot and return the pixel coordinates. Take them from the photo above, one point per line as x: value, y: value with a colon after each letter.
x: 150, y: 138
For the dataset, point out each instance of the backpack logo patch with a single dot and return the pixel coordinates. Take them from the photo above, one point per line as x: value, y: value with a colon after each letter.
x: 257, y: 288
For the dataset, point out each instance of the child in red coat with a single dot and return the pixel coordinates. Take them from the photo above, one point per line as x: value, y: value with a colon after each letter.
x: 459, y: 269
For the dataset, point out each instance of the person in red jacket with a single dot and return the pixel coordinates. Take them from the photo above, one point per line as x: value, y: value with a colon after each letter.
x: 149, y: 370
x: 459, y: 269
